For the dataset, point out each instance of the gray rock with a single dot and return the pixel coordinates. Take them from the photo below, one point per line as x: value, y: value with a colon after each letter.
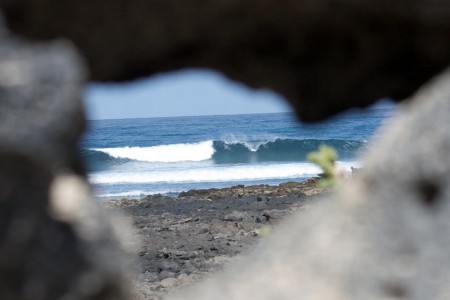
x: 219, y: 261
x: 383, y: 235
x: 54, y: 241
x: 148, y: 276
x: 237, y: 216
x: 308, y: 187
x: 189, y: 267
x: 268, y: 215
x: 185, y: 279
x: 169, y: 282
x: 170, y: 266
x: 260, y: 205
x: 166, y: 274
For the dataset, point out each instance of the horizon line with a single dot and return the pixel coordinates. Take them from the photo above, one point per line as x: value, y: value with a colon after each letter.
x: 184, y: 116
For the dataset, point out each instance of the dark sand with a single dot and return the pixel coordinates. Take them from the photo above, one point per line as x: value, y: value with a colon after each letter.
x: 184, y: 239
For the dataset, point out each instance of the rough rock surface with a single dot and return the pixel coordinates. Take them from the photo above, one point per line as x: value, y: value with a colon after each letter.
x: 54, y: 242
x: 383, y: 236
x: 185, y: 240
x: 323, y: 56
x: 307, y: 187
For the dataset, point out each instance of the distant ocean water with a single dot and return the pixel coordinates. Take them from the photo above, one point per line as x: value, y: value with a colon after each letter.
x: 137, y: 157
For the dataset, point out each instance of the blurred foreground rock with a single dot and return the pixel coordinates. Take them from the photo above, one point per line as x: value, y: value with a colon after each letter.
x: 322, y: 56
x: 54, y: 241
x: 384, y: 235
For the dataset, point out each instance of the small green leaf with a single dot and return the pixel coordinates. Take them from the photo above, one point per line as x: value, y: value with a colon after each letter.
x: 325, y: 158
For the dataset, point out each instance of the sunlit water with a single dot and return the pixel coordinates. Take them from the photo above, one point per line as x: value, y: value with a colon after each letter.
x: 136, y: 157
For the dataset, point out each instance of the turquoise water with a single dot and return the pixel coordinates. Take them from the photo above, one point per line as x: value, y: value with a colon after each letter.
x: 137, y: 157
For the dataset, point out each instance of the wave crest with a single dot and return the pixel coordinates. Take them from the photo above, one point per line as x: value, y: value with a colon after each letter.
x: 221, y: 152
x: 163, y: 153
x: 281, y: 150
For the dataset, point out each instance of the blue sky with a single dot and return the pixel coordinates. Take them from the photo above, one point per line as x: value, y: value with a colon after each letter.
x: 183, y: 93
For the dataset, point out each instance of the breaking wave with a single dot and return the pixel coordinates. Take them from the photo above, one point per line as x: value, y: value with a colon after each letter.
x: 221, y: 152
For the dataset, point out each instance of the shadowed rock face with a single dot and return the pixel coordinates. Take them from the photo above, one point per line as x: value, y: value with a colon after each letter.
x: 54, y: 241
x: 384, y: 236
x: 323, y: 56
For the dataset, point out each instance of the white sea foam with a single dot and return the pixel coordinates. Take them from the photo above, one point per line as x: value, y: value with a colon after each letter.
x: 213, y: 174
x: 135, y: 194
x: 252, y: 143
x: 164, y: 153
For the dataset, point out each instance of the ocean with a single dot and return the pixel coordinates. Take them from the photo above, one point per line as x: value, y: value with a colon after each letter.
x: 133, y: 158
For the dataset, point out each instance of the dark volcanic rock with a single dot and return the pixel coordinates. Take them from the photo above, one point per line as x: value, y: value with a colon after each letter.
x: 183, y: 240
x: 323, y: 56
x: 260, y: 192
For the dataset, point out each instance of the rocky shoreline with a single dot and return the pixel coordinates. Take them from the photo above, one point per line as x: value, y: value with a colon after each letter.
x: 184, y: 239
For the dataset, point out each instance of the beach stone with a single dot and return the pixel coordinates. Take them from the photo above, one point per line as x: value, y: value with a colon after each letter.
x: 188, y: 267
x: 322, y: 56
x: 219, y: 261
x: 169, y: 282
x: 149, y: 276
x: 202, y: 236
x: 170, y: 266
x: 268, y: 215
x: 185, y: 279
x: 260, y: 205
x: 166, y: 274
x: 237, y: 216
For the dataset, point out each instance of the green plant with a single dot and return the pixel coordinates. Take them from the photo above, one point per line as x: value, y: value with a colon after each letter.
x: 325, y: 158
